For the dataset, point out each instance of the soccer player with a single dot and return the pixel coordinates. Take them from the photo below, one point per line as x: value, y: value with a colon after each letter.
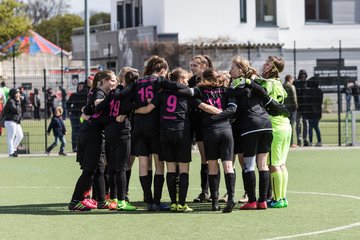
x: 281, y: 131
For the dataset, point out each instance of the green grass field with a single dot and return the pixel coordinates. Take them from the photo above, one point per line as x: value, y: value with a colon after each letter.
x: 324, y: 199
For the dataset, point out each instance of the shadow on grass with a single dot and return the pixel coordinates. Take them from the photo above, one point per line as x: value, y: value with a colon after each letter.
x: 62, y: 209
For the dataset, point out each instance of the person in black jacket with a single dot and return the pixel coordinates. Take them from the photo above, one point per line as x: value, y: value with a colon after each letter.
x: 314, y: 110
x: 59, y: 130
x: 12, y: 113
x: 74, y: 105
x: 300, y: 86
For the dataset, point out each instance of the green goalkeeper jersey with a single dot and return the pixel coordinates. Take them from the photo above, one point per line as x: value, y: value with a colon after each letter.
x: 277, y: 92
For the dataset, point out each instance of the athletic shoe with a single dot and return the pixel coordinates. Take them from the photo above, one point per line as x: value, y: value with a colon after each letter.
x: 277, y: 204
x: 89, y: 203
x: 185, y: 208
x: 294, y: 146
x: 229, y: 207
x: 203, y: 197
x: 62, y: 154
x: 286, y: 203
x: 151, y: 207
x: 224, y: 199
x: 306, y: 144
x: 127, y: 198
x: 162, y: 207
x: 174, y: 207
x: 244, y: 198
x: 249, y: 206
x: 78, y: 206
x: 262, y: 205
x: 103, y: 205
x: 113, y: 204
x: 13, y: 155
x: 125, y: 206
x: 215, y: 205
x: 268, y: 202
x: 47, y: 153
x: 318, y: 144
x: 107, y: 196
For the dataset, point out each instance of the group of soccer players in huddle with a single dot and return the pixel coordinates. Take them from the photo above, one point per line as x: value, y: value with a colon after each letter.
x: 158, y: 115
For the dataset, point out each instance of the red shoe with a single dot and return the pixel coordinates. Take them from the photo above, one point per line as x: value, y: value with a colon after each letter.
x: 107, y: 196
x: 249, y: 206
x: 89, y: 204
x: 262, y: 205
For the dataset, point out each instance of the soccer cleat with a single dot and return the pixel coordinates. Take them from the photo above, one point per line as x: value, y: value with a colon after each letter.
x: 161, y: 207
x: 107, y: 196
x: 113, y: 204
x: 215, y: 205
x: 185, y: 208
x: 103, y: 205
x: 90, y: 203
x: 286, y: 203
x: 127, y: 198
x: 203, y: 197
x: 78, y: 206
x: 151, y: 207
x: 174, y: 207
x: 277, y: 204
x: 229, y: 207
x: 224, y: 199
x: 125, y: 206
x: 249, y: 206
x: 244, y: 198
x: 262, y: 205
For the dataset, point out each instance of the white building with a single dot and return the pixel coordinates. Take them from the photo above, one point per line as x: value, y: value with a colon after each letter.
x: 311, y: 23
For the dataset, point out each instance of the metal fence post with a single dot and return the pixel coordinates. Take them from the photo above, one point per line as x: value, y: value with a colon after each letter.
x: 45, y: 110
x: 339, y: 96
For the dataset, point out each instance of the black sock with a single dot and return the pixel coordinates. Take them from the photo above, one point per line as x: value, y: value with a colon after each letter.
x: 158, y: 187
x: 214, y: 187
x: 263, y: 185
x: 243, y: 179
x: 128, y: 176
x: 204, y: 174
x: 82, y: 185
x: 230, y: 179
x: 121, y: 184
x: 113, y: 184
x: 219, y: 175
x: 107, y: 180
x: 99, y: 185
x: 145, y: 184
x: 171, y: 184
x: 250, y: 185
x: 150, y: 176
x: 183, y: 187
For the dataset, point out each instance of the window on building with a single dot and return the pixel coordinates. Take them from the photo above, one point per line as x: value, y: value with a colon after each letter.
x: 129, y: 13
x: 243, y: 11
x: 318, y: 10
x: 265, y: 12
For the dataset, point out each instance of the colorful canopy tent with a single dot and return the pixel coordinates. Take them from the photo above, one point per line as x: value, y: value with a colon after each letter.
x: 32, y: 44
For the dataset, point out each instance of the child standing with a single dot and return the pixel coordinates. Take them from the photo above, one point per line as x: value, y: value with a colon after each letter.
x: 59, y: 130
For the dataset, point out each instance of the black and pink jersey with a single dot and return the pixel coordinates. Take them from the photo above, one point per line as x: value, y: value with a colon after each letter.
x: 147, y: 88
x: 218, y: 98
x: 173, y: 110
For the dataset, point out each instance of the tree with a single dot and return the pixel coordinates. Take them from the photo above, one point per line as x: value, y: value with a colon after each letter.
x: 39, y: 10
x: 12, y: 22
x: 59, y: 29
x: 99, y: 18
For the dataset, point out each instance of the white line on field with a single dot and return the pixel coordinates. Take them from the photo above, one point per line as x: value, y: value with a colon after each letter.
x: 357, y: 224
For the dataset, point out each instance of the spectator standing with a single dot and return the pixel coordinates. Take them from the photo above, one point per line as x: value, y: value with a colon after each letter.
x: 63, y: 100
x: 37, y: 104
x: 74, y: 105
x: 59, y: 130
x: 356, y: 92
x: 2, y: 104
x: 300, y: 86
x: 291, y: 103
x: 5, y: 89
x: 23, y: 100
x: 314, y: 110
x: 12, y: 113
x: 50, y: 102
x: 348, y: 93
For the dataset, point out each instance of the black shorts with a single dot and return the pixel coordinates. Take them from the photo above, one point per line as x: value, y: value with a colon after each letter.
x: 176, y: 148
x: 219, y: 143
x: 118, y: 153
x: 146, y: 142
x: 237, y: 143
x: 256, y: 143
x: 89, y: 149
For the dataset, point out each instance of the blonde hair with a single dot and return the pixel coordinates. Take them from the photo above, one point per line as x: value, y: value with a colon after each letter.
x: 203, y: 59
x: 59, y: 109
x: 244, y: 65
